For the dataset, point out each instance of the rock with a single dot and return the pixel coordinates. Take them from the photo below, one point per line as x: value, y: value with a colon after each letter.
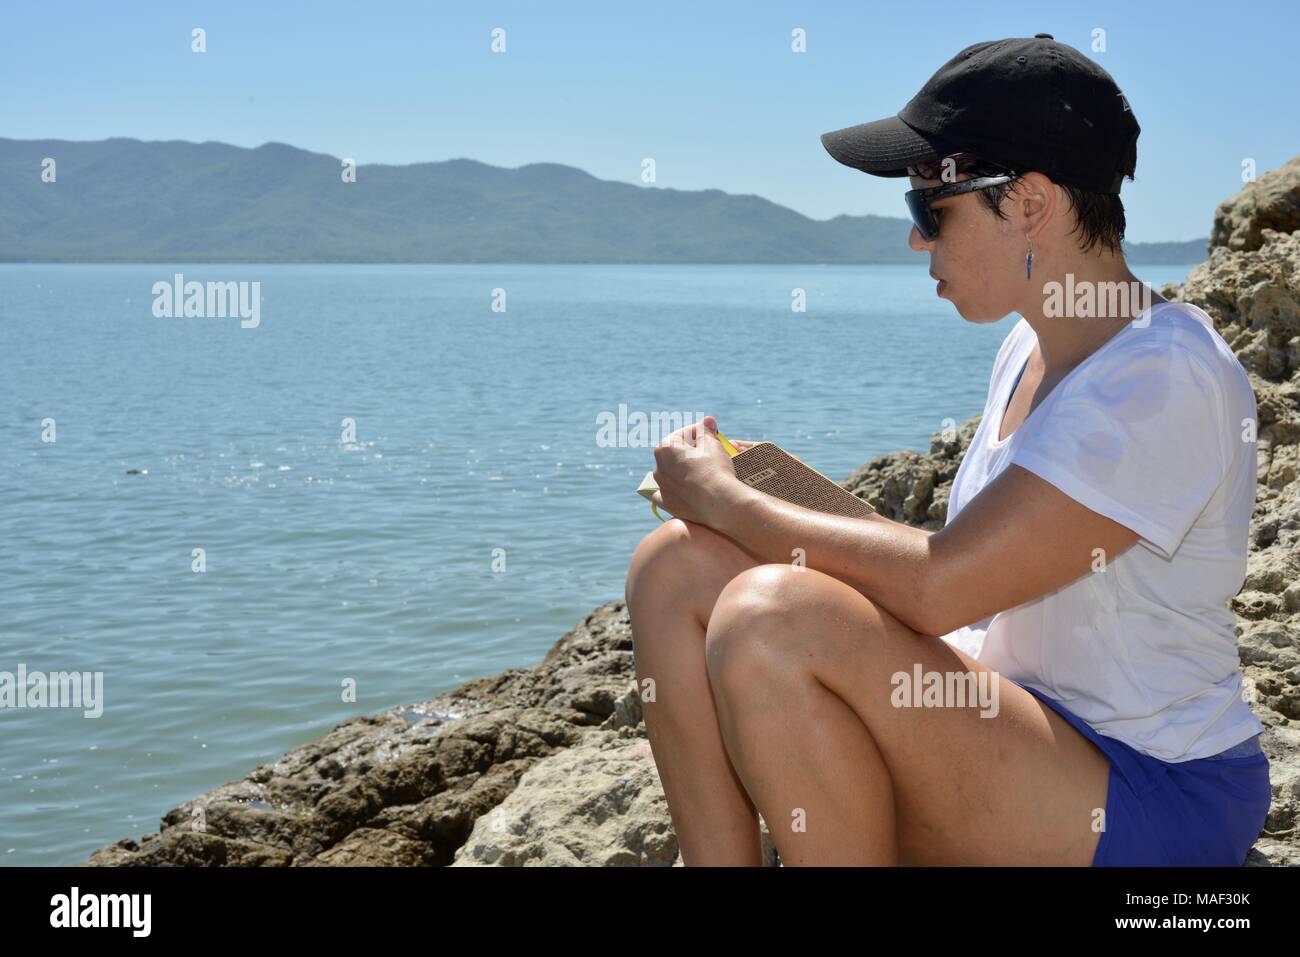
x: 551, y: 765
x: 1250, y: 285
x: 1270, y: 202
x: 598, y: 802
x: 913, y: 487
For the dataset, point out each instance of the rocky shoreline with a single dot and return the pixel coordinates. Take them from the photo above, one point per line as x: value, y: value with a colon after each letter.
x: 551, y: 765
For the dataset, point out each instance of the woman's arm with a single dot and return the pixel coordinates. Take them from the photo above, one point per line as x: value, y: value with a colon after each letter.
x: 1019, y: 538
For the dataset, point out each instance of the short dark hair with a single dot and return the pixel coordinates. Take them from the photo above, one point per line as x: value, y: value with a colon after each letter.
x: 1100, y: 216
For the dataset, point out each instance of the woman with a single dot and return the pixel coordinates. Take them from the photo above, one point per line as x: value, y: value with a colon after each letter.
x: 811, y: 668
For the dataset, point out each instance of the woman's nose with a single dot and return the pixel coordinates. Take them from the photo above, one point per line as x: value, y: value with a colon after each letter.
x: 915, y: 241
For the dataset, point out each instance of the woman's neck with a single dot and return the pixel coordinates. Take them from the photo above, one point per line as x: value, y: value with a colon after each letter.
x: 1076, y: 307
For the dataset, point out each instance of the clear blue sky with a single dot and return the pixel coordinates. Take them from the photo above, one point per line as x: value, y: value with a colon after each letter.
x: 710, y: 90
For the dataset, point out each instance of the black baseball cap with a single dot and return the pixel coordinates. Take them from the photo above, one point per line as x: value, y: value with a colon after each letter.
x: 1025, y: 103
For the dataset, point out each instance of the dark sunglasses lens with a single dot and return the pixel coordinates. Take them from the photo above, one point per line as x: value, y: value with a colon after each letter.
x: 922, y: 217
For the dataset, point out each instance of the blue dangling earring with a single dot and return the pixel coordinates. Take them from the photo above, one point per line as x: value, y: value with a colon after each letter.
x: 1029, y: 260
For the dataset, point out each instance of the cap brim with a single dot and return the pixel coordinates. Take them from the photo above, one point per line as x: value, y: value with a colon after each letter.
x: 883, y: 147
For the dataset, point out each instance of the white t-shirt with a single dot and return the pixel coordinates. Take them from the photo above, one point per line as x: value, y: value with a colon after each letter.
x: 1150, y: 431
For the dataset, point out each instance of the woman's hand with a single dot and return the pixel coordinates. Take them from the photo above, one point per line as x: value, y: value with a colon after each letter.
x: 694, y: 473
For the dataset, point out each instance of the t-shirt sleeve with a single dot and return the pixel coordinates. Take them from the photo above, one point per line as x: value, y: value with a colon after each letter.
x: 1141, y: 437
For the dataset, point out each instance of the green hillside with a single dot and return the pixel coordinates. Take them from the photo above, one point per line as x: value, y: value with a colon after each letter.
x: 123, y: 200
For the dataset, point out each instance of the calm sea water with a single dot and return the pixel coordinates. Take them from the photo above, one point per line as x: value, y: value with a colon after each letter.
x: 369, y: 559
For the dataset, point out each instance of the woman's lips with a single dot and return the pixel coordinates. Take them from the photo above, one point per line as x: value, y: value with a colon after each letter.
x: 938, y: 290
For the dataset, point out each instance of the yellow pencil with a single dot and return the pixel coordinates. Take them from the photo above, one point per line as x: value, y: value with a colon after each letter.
x: 726, y: 444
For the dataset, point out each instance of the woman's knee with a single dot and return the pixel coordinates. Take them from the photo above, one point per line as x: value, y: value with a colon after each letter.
x: 775, y: 596
x: 663, y: 553
x: 774, y: 617
x: 651, y: 553
x: 750, y: 611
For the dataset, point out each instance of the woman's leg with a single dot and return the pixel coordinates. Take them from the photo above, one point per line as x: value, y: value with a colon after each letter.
x: 806, y: 673
x: 675, y: 576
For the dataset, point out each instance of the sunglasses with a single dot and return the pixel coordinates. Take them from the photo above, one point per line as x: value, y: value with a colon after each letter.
x: 919, y: 200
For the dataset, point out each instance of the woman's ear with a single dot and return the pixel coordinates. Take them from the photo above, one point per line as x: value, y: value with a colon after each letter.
x: 1037, y: 199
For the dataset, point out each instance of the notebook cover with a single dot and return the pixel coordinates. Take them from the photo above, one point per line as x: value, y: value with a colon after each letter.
x: 773, y: 470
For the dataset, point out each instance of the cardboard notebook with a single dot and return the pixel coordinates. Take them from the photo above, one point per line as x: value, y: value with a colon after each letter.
x: 773, y: 470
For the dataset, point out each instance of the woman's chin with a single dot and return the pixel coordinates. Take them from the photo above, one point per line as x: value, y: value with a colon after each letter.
x: 977, y: 314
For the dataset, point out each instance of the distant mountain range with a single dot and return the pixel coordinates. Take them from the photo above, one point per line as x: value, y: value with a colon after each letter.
x: 123, y: 200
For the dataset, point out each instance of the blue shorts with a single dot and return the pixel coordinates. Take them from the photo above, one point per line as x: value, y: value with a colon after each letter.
x: 1207, y: 812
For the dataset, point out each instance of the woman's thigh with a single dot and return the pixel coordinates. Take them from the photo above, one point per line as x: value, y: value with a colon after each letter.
x: 1019, y: 786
